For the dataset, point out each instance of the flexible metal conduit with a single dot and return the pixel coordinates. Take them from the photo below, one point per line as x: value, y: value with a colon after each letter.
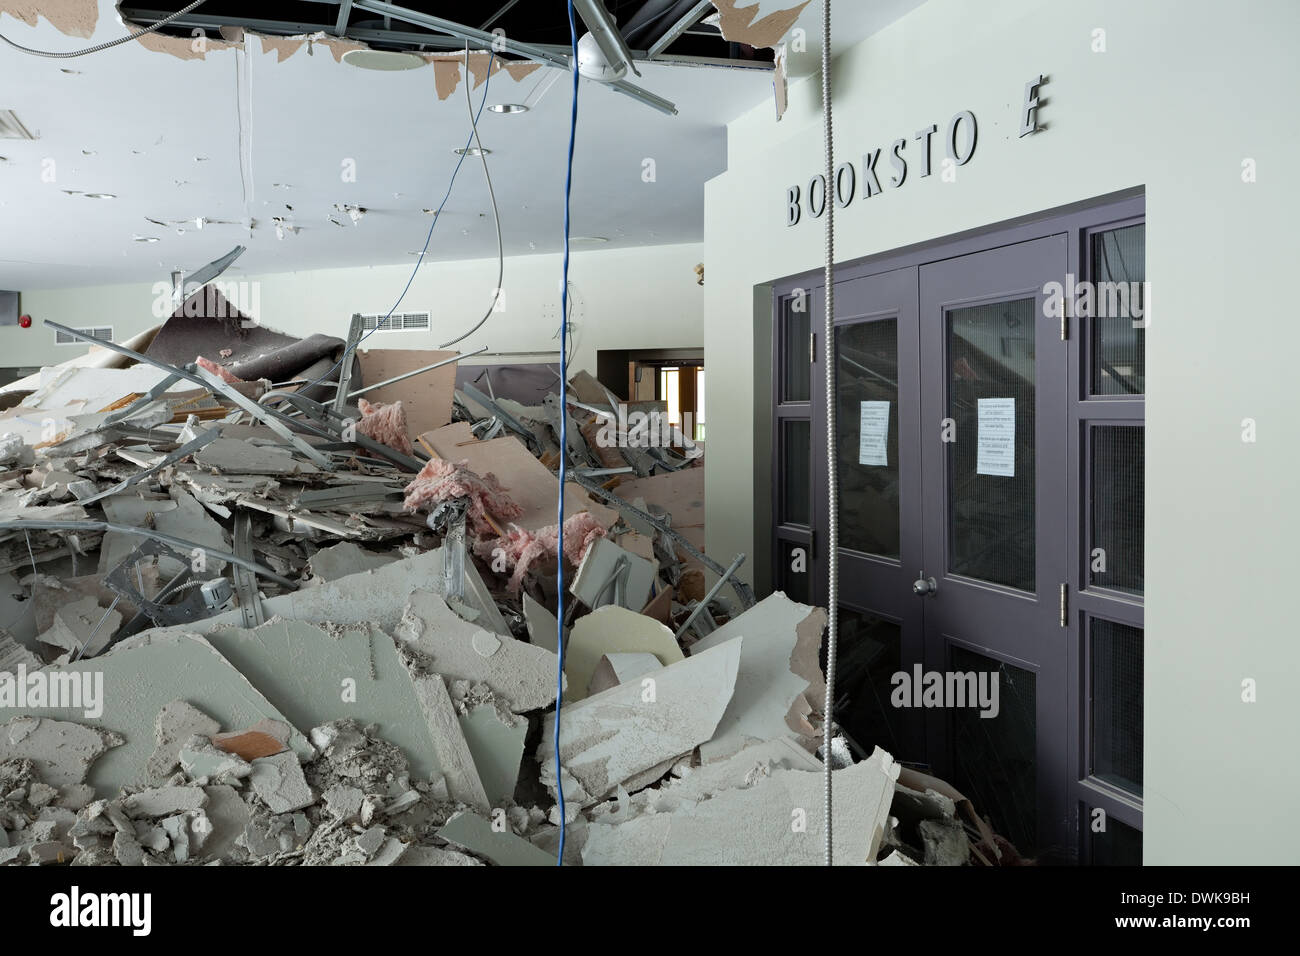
x: 832, y: 476
x: 102, y: 46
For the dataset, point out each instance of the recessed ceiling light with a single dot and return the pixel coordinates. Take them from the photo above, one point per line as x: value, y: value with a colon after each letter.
x: 383, y: 60
x: 508, y: 108
x: 99, y: 195
x: 146, y: 238
x: 473, y: 151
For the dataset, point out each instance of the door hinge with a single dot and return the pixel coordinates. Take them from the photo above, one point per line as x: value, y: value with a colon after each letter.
x: 1065, y: 606
x: 812, y: 348
x: 1065, y: 327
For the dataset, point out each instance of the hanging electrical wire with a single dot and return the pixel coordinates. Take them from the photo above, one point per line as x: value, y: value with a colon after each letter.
x: 564, y: 437
x: 832, y: 481
x: 496, y: 218
x: 102, y: 46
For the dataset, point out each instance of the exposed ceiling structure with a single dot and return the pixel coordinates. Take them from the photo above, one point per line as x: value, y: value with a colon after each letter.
x: 251, y: 123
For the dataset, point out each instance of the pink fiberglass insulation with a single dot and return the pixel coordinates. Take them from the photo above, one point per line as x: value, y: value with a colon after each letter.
x: 522, y: 547
x: 386, y: 424
x: 217, y: 370
x: 442, y: 480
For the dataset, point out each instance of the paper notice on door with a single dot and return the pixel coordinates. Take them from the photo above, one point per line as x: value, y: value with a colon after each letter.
x: 997, y: 437
x: 873, y: 434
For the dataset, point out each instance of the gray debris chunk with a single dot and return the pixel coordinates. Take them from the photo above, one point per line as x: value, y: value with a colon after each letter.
x: 177, y: 722
x: 164, y: 801
x: 946, y: 843
x: 521, y: 675
x: 280, y: 783
x: 200, y: 758
x: 475, y: 834
x: 74, y: 623
x: 344, y: 802
x: 62, y: 750
x: 127, y: 850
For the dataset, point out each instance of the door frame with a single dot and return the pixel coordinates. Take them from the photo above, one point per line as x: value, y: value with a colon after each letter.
x: 1076, y: 221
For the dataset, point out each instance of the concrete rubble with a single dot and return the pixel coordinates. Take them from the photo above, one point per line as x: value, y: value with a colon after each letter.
x: 241, y: 625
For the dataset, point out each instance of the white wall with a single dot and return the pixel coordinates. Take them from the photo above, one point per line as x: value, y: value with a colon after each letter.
x: 621, y: 298
x: 1185, y: 91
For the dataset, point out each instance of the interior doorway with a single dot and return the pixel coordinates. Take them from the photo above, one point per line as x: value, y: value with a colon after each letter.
x: 988, y: 448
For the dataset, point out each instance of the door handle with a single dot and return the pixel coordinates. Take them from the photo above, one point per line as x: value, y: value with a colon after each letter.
x: 924, y: 587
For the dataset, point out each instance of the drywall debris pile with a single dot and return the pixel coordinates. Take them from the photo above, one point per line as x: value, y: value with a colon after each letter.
x: 244, y: 623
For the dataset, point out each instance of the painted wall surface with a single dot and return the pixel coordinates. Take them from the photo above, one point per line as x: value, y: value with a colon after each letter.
x: 1183, y: 94
x: 621, y: 298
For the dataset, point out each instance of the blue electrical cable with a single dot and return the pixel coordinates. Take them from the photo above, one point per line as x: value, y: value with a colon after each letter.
x: 420, y: 260
x: 564, y: 436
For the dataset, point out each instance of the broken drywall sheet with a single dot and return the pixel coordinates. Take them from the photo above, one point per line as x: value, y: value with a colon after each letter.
x: 522, y: 676
x: 245, y: 458
x: 780, y: 681
x: 503, y: 848
x: 340, y: 560
x: 603, y: 566
x: 613, y: 630
x: 451, y: 745
x: 623, y: 732
x: 279, y: 782
x: 614, y: 669
x: 93, y: 389
x: 749, y: 24
x: 368, y: 597
x: 317, y: 674
x: 496, y: 742
x: 528, y: 483
x: 75, y: 18
x: 282, y: 47
x: 132, y: 694
x: 63, y: 750
x: 543, y: 628
x: 75, y: 622
x: 175, y: 724
x: 751, y: 824
x: 426, y: 398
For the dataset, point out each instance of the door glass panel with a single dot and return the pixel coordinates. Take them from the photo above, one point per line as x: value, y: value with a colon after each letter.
x: 793, y: 576
x: 795, y: 356
x: 994, y: 757
x: 796, y: 464
x: 866, y: 356
x: 869, y: 654
x: 1118, y: 845
x: 990, y: 354
x: 1116, y: 669
x: 1118, y: 349
x: 1115, y: 559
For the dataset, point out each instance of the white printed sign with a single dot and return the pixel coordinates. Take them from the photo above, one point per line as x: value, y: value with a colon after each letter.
x: 997, y: 437
x: 873, y: 434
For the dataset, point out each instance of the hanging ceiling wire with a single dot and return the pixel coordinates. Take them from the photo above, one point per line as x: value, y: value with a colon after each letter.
x: 832, y: 475
x: 102, y: 46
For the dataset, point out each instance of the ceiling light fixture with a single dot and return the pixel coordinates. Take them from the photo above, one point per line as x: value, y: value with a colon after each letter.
x: 384, y: 61
x: 472, y: 151
x: 589, y: 239
x: 99, y: 195
x: 508, y: 108
x: 603, y: 54
x: 146, y: 238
